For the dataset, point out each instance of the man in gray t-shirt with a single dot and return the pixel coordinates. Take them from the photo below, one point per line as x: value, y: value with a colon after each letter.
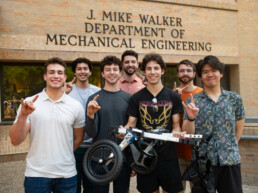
x: 81, y: 91
x: 108, y: 108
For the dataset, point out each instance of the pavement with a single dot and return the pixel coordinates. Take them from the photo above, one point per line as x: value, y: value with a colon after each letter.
x: 12, y: 178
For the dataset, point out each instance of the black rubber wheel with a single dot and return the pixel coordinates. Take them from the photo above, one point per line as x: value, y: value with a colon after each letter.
x: 151, y: 164
x: 148, y: 162
x: 103, y: 162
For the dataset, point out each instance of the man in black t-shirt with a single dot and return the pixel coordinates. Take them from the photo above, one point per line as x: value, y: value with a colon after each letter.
x: 158, y: 107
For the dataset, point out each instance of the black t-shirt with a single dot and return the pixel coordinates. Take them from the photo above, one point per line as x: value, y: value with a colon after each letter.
x: 142, y: 107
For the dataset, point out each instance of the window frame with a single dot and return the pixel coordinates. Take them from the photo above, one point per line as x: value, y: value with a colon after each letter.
x: 8, y: 121
x: 11, y: 63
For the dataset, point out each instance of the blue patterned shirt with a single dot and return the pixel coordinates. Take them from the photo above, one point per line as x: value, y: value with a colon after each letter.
x: 219, y: 119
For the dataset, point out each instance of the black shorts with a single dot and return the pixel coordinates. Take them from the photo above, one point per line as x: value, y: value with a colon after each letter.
x: 228, y: 179
x: 166, y: 174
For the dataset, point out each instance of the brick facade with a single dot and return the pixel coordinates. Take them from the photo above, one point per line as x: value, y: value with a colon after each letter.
x: 230, y: 26
x: 249, y: 156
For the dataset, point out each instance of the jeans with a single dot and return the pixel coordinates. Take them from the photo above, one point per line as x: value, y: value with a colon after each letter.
x: 46, y: 185
x: 81, y: 178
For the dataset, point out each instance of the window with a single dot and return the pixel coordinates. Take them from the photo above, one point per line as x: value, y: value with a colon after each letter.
x: 170, y: 77
x: 21, y: 80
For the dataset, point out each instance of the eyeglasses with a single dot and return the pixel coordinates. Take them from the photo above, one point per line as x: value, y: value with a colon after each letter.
x: 185, y: 70
x: 155, y: 107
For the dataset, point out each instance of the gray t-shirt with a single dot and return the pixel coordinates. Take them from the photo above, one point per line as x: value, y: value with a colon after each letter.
x: 82, y: 96
x: 112, y: 113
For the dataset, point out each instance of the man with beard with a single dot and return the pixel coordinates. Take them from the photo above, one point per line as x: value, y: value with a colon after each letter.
x: 129, y: 82
x: 186, y: 73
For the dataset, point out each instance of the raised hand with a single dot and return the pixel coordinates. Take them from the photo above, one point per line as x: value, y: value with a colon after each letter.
x: 93, y: 107
x: 27, y: 107
x: 68, y: 86
x: 191, y: 109
x: 177, y: 89
x: 143, y: 78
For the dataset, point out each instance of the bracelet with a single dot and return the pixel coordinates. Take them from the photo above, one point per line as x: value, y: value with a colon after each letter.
x: 191, y: 120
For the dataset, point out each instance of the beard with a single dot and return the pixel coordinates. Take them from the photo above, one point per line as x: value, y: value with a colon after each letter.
x: 130, y: 73
x: 187, y: 80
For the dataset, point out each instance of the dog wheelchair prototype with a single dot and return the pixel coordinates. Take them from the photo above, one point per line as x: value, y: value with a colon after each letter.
x: 103, y: 161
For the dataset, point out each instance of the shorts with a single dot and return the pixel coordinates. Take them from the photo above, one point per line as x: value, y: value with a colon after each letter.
x: 166, y: 174
x: 228, y: 179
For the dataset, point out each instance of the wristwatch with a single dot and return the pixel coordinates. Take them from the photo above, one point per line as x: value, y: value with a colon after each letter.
x: 191, y: 120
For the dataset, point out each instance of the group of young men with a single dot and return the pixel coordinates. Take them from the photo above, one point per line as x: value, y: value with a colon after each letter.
x: 67, y: 117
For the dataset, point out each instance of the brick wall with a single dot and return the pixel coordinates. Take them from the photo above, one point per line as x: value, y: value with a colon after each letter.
x: 249, y: 155
x: 5, y: 143
x: 248, y: 47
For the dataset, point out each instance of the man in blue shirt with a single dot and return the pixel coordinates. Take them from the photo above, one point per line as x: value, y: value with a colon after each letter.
x: 81, y: 90
x: 220, y: 113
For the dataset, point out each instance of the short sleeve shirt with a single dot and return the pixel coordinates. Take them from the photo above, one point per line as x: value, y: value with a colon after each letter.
x: 142, y: 107
x: 218, y: 118
x: 51, y: 136
x: 131, y: 87
x: 82, y: 96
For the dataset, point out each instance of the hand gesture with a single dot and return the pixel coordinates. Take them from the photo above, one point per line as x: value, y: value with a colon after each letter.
x: 68, y: 86
x: 177, y: 89
x: 143, y: 78
x: 27, y: 107
x: 93, y: 107
x: 191, y: 109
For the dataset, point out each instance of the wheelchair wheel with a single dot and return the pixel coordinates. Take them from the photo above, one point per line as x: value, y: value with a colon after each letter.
x: 103, y: 162
x: 143, y: 164
x: 150, y: 162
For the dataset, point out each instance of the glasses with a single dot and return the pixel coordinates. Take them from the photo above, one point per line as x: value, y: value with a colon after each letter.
x: 155, y: 107
x: 185, y: 70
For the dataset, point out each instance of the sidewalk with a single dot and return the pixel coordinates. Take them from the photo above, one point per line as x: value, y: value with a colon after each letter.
x: 12, y: 177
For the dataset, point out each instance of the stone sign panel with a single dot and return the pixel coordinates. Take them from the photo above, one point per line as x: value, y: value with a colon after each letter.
x: 114, y: 26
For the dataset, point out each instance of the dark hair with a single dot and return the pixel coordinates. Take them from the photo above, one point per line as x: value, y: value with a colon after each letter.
x: 129, y: 53
x: 187, y: 63
x: 81, y: 60
x: 55, y: 60
x: 109, y: 60
x: 212, y: 61
x: 152, y: 57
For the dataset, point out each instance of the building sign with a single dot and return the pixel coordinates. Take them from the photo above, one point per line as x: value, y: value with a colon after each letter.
x: 114, y: 26
x: 117, y: 30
